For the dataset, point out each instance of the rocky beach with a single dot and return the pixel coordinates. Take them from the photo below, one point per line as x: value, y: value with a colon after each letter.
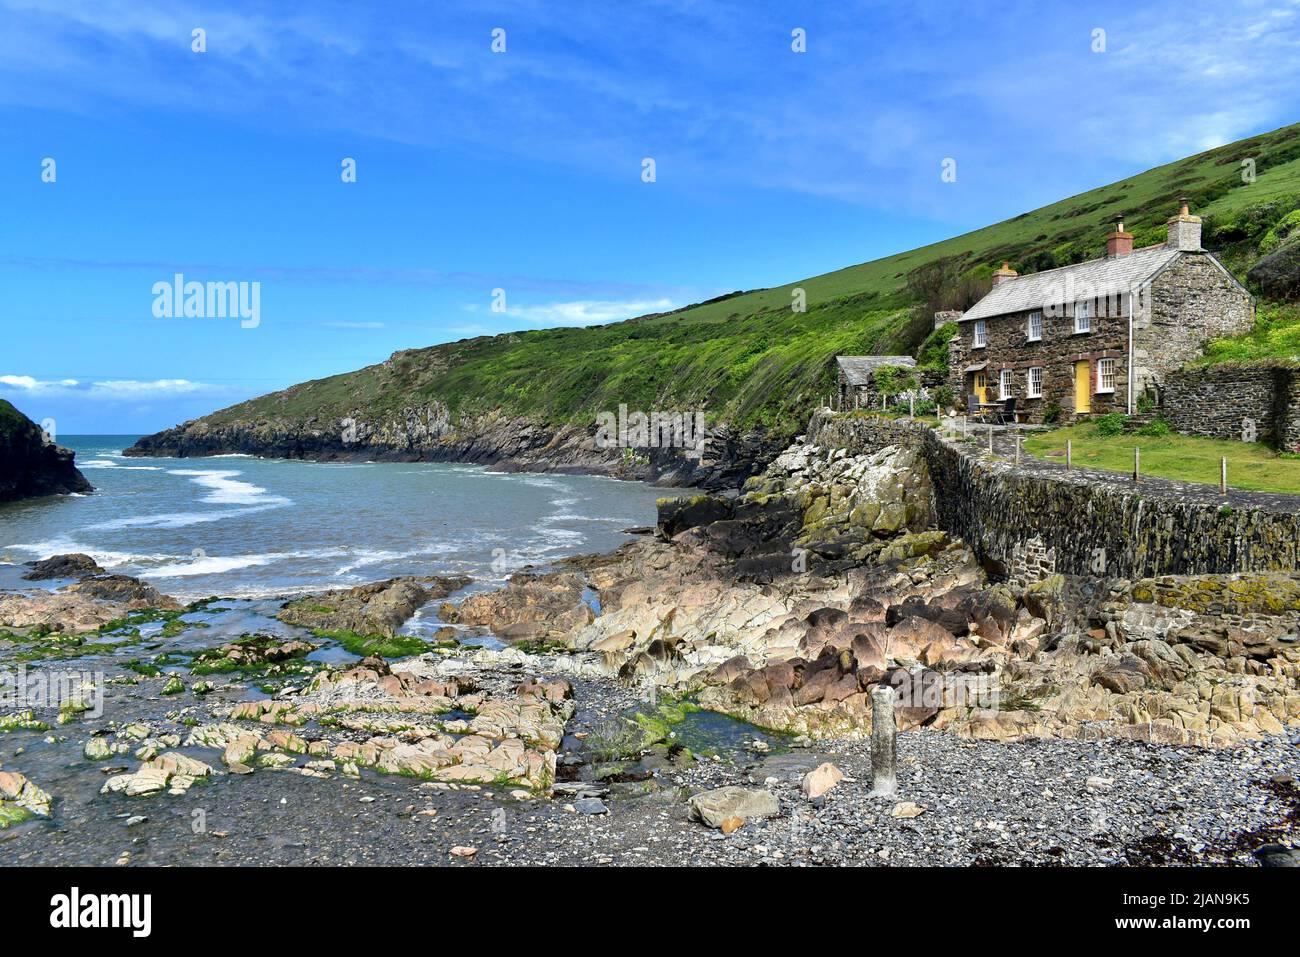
x: 702, y: 694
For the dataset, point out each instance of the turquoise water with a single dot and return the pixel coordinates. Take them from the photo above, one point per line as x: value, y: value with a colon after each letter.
x: 243, y: 526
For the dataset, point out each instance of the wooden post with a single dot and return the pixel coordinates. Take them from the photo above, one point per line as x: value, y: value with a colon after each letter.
x: 990, y: 441
x: 1223, y: 476
x: 911, y: 405
x: 1069, y: 454
x: 884, y: 742
x: 1017, y: 447
x: 1137, y: 465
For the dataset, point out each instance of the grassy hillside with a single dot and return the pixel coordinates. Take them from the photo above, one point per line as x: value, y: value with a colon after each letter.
x: 748, y: 359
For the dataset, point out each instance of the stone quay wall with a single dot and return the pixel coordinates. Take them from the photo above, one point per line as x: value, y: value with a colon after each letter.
x: 1036, y: 520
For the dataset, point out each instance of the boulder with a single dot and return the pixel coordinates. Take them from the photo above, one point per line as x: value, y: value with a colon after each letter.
x: 821, y: 779
x: 713, y: 808
x: 74, y: 565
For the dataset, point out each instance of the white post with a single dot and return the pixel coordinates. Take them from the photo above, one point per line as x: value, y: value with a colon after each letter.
x: 990, y: 441
x: 884, y: 742
x: 1137, y: 465
x: 1223, y: 476
x: 1069, y: 454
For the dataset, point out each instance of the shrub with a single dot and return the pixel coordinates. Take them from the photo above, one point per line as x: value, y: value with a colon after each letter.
x: 891, y: 380
x: 943, y: 397
x: 1110, y: 424
x: 1156, y: 427
x: 1052, y: 414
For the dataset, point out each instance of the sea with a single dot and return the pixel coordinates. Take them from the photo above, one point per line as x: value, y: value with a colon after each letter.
x: 247, y: 527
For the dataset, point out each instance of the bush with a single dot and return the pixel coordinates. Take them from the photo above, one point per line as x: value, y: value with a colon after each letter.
x: 1110, y: 424
x: 943, y: 397
x: 891, y: 380
x: 1052, y: 414
x: 1156, y: 427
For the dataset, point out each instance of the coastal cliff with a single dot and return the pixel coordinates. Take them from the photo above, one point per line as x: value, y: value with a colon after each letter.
x: 724, y: 459
x: 31, y: 466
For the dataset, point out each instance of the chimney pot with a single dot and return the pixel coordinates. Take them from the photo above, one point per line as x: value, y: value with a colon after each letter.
x: 1119, y: 243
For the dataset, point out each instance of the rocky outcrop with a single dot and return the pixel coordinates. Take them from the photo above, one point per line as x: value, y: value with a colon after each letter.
x: 432, y: 433
x: 75, y: 565
x: 376, y: 608
x: 31, y: 465
x: 1278, y: 274
x: 530, y: 607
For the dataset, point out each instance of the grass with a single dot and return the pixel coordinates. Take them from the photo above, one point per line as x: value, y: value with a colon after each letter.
x: 1251, y: 466
x: 748, y: 359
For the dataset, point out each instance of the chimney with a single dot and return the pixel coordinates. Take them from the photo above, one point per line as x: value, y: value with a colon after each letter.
x: 1119, y: 243
x: 1185, y: 229
x: 1005, y: 273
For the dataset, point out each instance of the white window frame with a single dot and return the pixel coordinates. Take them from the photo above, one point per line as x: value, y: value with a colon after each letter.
x: 1029, y: 327
x: 979, y: 335
x: 1035, y: 391
x: 1083, y: 316
x: 1006, y: 384
x: 1106, y: 370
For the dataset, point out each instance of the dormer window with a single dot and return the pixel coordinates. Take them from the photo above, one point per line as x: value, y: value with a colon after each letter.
x: 1083, y: 316
x: 980, y: 334
x: 1035, y: 328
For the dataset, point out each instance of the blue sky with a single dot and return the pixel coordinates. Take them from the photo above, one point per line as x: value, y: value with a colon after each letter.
x: 522, y: 170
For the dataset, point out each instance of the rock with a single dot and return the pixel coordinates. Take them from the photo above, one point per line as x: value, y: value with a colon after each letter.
x: 122, y: 589
x: 22, y: 797
x: 551, y: 604
x: 714, y: 807
x: 74, y: 565
x: 590, y: 806
x: 906, y: 810
x: 678, y: 514
x: 1278, y: 273
x: 820, y: 780
x: 1277, y: 855
x: 463, y: 851
x: 376, y: 608
x: 30, y: 464
x: 1096, y: 783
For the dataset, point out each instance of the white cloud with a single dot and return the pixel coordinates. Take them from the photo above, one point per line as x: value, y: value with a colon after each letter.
x: 106, y: 389
x: 29, y: 384
x: 586, y: 312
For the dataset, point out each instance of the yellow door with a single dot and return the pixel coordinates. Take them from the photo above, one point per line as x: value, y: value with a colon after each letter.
x: 1082, y: 387
x: 981, y: 386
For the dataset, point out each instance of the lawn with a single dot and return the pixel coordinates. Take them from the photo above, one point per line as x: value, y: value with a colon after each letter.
x: 1251, y: 466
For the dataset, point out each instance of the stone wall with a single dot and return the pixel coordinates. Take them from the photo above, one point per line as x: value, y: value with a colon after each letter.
x: 1229, y: 402
x: 1025, y: 524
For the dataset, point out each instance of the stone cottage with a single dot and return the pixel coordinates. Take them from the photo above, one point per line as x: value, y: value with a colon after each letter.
x: 1093, y: 337
x: 857, y: 379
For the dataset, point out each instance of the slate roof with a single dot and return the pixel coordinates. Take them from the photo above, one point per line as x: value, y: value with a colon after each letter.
x: 860, y: 370
x: 1093, y: 279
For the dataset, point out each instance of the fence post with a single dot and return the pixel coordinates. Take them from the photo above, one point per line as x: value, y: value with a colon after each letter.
x: 1137, y: 465
x: 1223, y: 476
x: 990, y: 441
x: 911, y: 405
x: 1069, y: 454
x: 1017, y: 447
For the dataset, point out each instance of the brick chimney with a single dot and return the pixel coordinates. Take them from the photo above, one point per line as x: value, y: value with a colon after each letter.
x: 1184, y: 229
x: 1005, y: 273
x: 1119, y: 243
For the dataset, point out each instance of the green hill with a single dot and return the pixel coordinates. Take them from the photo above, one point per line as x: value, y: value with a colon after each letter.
x: 749, y: 360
